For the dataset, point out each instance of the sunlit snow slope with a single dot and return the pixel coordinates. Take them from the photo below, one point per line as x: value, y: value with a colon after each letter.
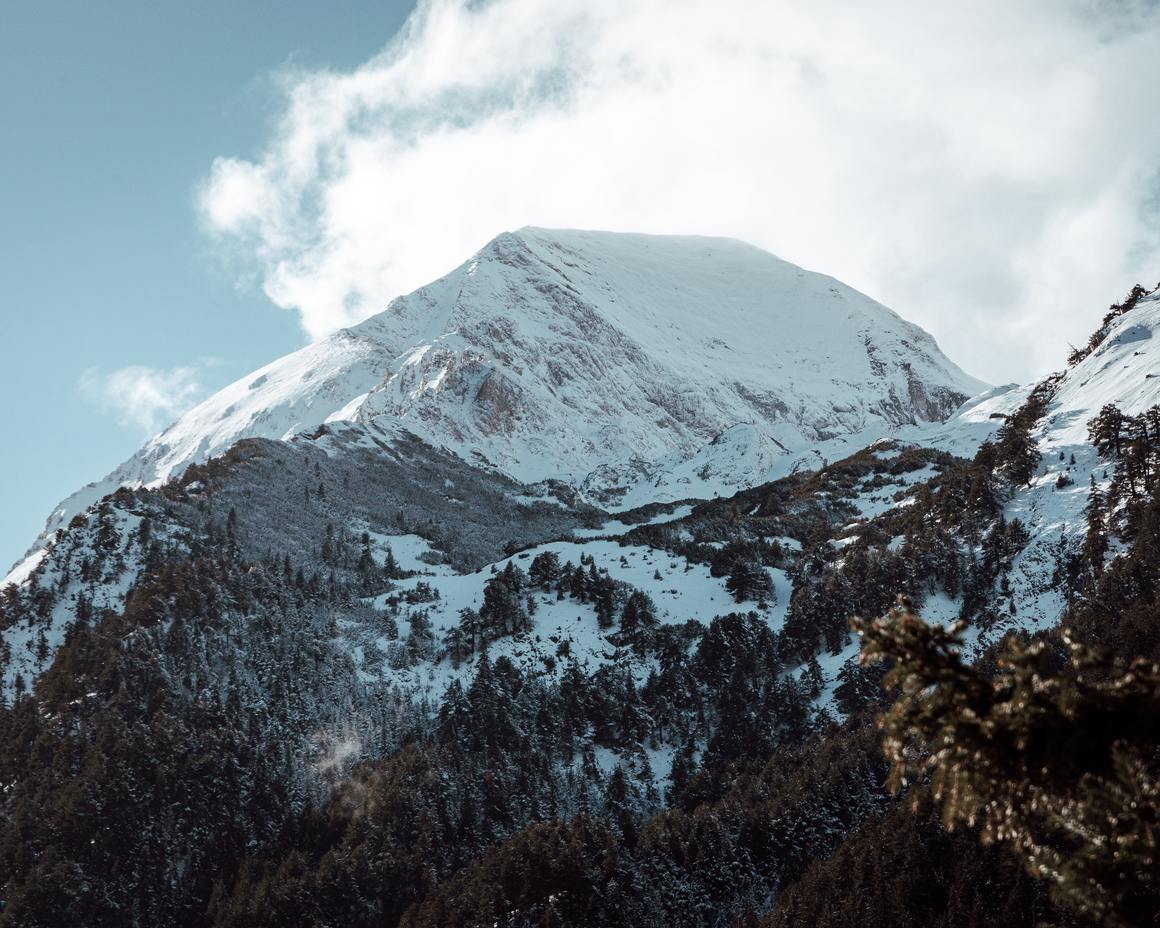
x: 616, y: 363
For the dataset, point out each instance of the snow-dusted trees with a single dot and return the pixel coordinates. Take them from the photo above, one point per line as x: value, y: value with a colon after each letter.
x: 1114, y: 312
x: 637, y: 620
x: 749, y: 581
x: 1133, y: 442
x: 1095, y: 545
x: 545, y: 570
x: 1106, y: 431
x: 1016, y: 450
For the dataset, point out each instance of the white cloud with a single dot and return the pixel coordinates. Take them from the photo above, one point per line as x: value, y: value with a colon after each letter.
x: 143, y: 398
x: 984, y: 168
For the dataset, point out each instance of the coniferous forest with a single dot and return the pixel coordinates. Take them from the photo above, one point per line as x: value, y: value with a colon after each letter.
x: 730, y: 712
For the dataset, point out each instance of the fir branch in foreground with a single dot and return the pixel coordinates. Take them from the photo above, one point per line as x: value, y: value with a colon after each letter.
x: 1061, y: 766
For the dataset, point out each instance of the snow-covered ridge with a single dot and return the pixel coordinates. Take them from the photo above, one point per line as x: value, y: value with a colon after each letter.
x: 595, y: 358
x: 601, y: 359
x: 1123, y: 370
x: 293, y: 394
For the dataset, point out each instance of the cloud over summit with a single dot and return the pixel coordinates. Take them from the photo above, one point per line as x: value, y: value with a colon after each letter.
x: 144, y: 399
x: 989, y: 170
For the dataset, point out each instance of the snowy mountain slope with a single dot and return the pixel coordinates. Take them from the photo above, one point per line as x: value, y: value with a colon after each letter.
x: 608, y: 361
x: 567, y: 354
x: 1028, y: 592
x: 972, y: 423
x: 274, y: 491
x: 743, y: 456
x: 332, y: 597
x: 294, y: 394
x: 1123, y: 371
x: 681, y: 591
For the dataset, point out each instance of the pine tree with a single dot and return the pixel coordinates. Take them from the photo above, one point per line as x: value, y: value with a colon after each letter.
x: 1095, y: 546
x: 456, y: 645
x: 618, y: 802
x: 684, y: 766
x: 748, y: 580
x: 1105, y: 431
x: 545, y: 569
x: 638, y: 617
x: 1018, y: 450
x: 471, y: 629
x: 603, y: 597
x: 391, y: 569
x: 1062, y: 766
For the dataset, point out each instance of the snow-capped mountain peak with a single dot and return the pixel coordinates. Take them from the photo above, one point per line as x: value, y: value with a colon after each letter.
x: 552, y: 354
x: 556, y: 354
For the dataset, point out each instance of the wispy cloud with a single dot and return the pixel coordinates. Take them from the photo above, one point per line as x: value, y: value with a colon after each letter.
x: 145, y: 399
x: 984, y: 168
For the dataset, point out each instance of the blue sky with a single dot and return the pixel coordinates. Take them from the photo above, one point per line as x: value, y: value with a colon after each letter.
x: 112, y: 114
x: 189, y: 190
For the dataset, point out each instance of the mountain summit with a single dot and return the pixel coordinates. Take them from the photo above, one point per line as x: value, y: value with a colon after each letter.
x: 553, y: 353
x: 632, y: 367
